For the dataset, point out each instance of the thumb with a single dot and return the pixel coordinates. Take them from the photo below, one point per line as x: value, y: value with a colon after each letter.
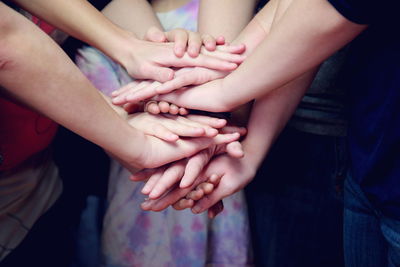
x: 155, y: 35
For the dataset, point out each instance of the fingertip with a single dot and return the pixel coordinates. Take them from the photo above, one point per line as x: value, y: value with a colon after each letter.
x: 172, y: 137
x: 211, y: 132
x: 210, y: 46
x: 196, y: 209
x: 220, y: 40
x: 193, y: 51
x: 179, y: 51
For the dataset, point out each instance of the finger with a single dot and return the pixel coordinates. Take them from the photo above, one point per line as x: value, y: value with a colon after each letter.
x: 194, y: 167
x: 235, y: 149
x: 215, y: 178
x: 124, y: 88
x: 183, y: 111
x: 207, y: 188
x: 208, y: 200
x: 189, y: 78
x: 220, y: 40
x: 215, y: 209
x: 180, y: 39
x: 234, y: 129
x: 202, y: 129
x: 152, y: 107
x: 207, y: 120
x: 235, y: 49
x: 164, y: 133
x: 154, y: 34
x: 183, y: 204
x: 194, y: 44
x: 195, y: 195
x: 157, y: 73
x: 172, y: 175
x: 182, y: 127
x: 164, y: 106
x: 209, y: 42
x: 222, y: 55
x: 152, y: 181
x: 173, y: 109
x: 141, y: 93
x: 226, y: 63
x: 172, y: 197
x: 129, y: 89
x: 226, y: 138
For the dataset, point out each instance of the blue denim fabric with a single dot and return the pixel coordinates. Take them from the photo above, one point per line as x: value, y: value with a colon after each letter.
x: 295, y: 202
x: 370, y: 239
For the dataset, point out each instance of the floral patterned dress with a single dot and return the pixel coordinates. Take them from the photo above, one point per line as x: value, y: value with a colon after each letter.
x: 133, y: 237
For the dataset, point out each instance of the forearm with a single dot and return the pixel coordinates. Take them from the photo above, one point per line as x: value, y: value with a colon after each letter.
x: 136, y: 16
x: 81, y: 20
x: 270, y: 114
x: 225, y: 17
x: 36, y: 72
x: 308, y: 32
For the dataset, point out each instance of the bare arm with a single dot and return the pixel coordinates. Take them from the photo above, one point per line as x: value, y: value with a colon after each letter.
x: 136, y: 16
x: 225, y: 17
x: 35, y: 71
x: 308, y: 32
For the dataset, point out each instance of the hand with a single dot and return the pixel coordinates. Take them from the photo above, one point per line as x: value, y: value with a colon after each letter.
x: 170, y: 128
x: 155, y: 107
x: 133, y: 92
x: 210, y: 96
x: 149, y: 60
x: 200, y: 191
x: 232, y: 173
x: 183, y: 172
x: 184, y: 40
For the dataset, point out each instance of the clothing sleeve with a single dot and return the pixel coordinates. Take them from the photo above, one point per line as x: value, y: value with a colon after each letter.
x: 365, y: 11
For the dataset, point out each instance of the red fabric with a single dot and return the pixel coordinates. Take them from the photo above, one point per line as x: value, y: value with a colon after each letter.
x: 23, y: 133
x: 47, y: 28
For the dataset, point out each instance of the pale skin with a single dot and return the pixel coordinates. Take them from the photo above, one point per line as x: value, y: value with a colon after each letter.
x: 142, y: 59
x: 333, y: 22
x: 327, y: 31
x: 55, y: 85
x: 230, y: 23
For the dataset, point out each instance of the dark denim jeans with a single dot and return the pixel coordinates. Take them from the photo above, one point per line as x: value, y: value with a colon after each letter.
x: 295, y: 202
x: 370, y: 239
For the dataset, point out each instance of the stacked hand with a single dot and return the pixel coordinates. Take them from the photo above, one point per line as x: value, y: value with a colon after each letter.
x: 203, y: 140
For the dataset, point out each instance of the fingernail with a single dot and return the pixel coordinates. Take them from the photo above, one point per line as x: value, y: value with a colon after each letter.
x: 196, y: 209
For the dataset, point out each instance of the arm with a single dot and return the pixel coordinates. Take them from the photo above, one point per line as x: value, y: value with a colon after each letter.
x: 307, y: 32
x: 224, y: 17
x: 136, y: 16
x: 36, y: 72
x: 141, y: 59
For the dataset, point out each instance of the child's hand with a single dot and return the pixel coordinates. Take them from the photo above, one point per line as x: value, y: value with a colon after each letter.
x: 133, y: 93
x: 149, y: 60
x: 183, y: 172
x: 155, y: 107
x: 184, y: 40
x: 199, y: 192
x: 233, y: 174
x: 170, y: 128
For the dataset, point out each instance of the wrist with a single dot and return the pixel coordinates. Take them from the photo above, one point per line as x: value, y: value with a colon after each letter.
x: 121, y: 46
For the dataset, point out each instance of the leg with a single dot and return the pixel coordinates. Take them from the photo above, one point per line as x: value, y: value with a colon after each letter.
x: 364, y: 243
x: 295, y: 214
